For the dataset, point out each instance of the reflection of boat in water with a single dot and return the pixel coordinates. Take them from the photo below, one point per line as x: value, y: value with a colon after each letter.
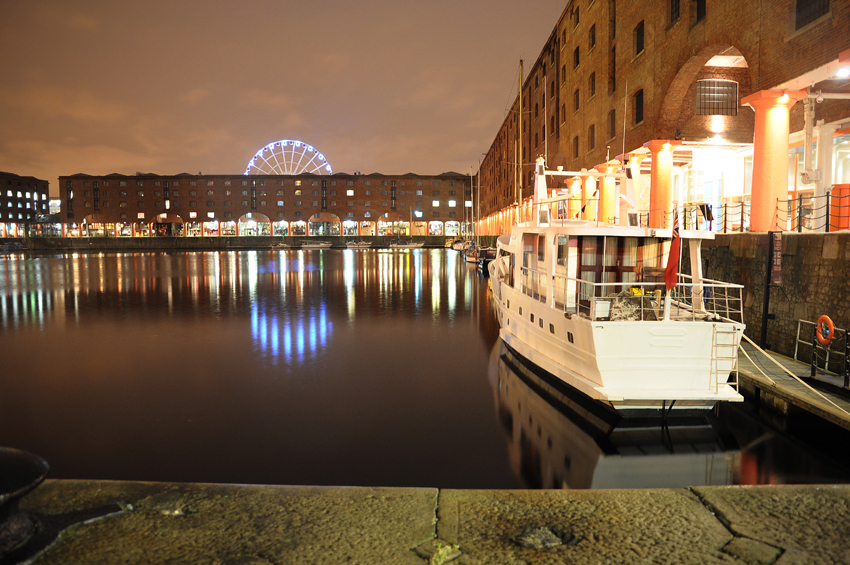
x: 406, y: 244
x: 582, y: 300
x: 316, y: 245
x: 557, y: 438
x: 359, y: 244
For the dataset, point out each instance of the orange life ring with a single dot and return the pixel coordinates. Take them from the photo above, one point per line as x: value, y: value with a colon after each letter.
x: 825, y: 329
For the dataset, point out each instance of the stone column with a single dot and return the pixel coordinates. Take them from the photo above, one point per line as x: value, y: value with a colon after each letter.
x: 824, y: 164
x: 588, y: 200
x: 660, y: 183
x: 574, y: 203
x: 770, y: 154
x: 608, y: 193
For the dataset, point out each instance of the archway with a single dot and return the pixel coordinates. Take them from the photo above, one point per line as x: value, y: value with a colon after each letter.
x: 393, y: 224
x: 324, y: 224
x: 167, y: 224
x: 254, y: 223
x: 713, y: 62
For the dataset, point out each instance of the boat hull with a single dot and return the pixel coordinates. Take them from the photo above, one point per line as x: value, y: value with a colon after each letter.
x: 630, y: 365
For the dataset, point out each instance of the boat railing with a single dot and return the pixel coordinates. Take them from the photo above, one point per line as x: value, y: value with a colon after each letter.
x: 632, y: 300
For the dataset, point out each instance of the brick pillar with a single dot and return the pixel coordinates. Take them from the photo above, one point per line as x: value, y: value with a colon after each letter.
x: 660, y: 183
x: 770, y: 153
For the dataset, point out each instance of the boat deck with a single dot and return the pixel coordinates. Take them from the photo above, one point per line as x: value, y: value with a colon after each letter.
x: 791, y: 390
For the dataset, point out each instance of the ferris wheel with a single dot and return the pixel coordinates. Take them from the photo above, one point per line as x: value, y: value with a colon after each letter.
x: 288, y: 157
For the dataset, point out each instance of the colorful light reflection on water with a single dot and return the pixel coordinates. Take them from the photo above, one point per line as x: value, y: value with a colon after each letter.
x: 319, y: 367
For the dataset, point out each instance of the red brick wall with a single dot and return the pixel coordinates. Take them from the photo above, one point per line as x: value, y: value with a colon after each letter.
x: 673, y: 59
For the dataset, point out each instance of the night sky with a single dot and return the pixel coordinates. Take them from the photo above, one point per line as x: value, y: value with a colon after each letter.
x: 389, y: 86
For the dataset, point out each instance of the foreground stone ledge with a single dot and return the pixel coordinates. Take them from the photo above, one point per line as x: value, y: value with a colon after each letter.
x: 204, y: 523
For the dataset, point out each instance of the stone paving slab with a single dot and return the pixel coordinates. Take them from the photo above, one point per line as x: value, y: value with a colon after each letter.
x: 811, y: 524
x: 182, y: 523
x: 202, y: 523
x: 613, y: 526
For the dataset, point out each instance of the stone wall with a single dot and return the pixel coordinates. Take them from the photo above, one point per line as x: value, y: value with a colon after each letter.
x: 815, y: 281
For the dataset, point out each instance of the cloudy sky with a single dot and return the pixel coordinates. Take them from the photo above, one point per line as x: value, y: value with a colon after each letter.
x: 390, y: 86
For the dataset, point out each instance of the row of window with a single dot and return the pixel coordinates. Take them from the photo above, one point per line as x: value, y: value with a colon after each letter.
x: 280, y: 215
x: 262, y: 203
x: 26, y: 205
x: 279, y: 182
x: 297, y: 192
x: 27, y: 195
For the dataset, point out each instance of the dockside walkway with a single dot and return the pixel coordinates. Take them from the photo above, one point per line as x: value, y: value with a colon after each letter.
x: 240, y: 524
x: 761, y: 377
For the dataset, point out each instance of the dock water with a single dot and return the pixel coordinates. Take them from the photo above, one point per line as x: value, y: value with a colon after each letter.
x: 761, y: 377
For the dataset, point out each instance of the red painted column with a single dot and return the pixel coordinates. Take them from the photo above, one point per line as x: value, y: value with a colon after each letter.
x: 660, y: 183
x: 770, y: 154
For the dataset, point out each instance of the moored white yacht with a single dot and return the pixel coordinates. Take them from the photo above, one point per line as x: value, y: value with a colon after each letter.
x: 358, y: 244
x: 406, y: 244
x: 316, y: 245
x: 586, y: 302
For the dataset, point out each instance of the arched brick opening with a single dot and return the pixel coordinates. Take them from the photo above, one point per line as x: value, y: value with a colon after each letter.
x: 678, y: 118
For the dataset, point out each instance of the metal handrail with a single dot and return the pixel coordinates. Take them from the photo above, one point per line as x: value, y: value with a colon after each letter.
x: 707, y: 300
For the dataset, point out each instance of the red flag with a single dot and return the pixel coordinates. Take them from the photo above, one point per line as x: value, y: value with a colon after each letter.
x: 671, y: 273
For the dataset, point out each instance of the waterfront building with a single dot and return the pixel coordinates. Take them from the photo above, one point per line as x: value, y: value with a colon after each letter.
x: 701, y: 103
x: 230, y: 205
x: 23, y: 201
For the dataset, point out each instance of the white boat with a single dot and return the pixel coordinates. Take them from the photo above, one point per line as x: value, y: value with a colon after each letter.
x: 583, y: 301
x: 316, y: 245
x: 281, y: 246
x: 402, y: 244
x: 359, y: 244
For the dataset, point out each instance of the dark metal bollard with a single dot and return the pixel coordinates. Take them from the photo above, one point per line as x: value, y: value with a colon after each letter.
x: 20, y: 472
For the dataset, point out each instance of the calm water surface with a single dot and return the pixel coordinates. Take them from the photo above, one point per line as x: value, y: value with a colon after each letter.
x: 321, y: 367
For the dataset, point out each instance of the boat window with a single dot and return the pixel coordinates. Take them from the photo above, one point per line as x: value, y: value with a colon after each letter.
x: 587, y: 290
x: 611, y: 251
x: 588, y: 251
x: 609, y: 278
x: 630, y: 247
x: 541, y: 248
x: 651, y: 251
x: 563, y: 249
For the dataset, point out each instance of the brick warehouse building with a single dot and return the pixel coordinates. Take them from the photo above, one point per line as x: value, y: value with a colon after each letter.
x: 305, y: 204
x: 23, y: 201
x: 671, y: 92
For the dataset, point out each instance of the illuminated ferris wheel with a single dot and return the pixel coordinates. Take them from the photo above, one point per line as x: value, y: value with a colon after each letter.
x: 288, y: 157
